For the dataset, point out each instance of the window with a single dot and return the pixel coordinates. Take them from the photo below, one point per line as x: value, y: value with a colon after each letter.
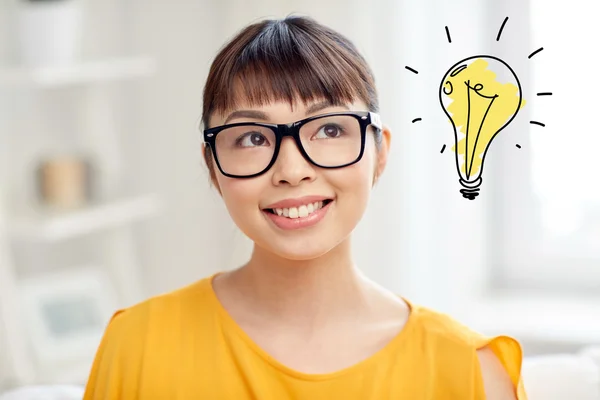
x: 549, y: 219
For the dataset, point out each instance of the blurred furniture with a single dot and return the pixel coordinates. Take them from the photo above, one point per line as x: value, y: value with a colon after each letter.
x: 563, y: 376
x: 58, y: 392
x: 48, y: 109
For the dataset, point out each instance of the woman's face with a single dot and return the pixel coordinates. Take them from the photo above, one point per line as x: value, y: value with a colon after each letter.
x: 336, y: 197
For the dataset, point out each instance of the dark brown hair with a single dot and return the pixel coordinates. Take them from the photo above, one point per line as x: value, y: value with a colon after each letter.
x: 289, y: 59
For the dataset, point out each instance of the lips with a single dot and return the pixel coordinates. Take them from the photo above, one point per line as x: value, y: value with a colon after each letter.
x: 298, y: 217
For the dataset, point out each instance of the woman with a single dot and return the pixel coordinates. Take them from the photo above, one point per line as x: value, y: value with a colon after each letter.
x: 294, y: 145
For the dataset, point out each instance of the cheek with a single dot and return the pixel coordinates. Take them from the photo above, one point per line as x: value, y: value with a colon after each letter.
x: 354, y: 183
x: 356, y: 178
x: 365, y: 169
x: 241, y: 196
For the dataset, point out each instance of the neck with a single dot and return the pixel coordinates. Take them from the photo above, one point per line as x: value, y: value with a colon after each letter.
x: 304, y: 293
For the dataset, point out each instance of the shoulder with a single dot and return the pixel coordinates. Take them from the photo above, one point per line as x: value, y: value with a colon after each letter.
x: 440, y: 329
x: 160, y: 309
x: 149, y: 324
x: 446, y: 330
x: 130, y: 327
x: 495, y: 361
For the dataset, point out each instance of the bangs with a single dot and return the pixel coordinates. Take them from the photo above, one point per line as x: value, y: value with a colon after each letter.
x: 288, y: 60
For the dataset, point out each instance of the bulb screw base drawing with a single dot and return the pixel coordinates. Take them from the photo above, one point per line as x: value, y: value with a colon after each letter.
x: 471, y: 189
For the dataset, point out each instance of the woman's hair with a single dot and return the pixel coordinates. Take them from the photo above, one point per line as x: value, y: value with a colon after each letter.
x: 286, y: 60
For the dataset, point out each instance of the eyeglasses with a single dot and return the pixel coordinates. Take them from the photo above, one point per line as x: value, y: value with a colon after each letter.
x: 249, y: 149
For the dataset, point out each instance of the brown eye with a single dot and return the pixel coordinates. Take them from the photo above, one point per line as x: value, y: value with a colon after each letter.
x: 257, y: 139
x: 253, y: 139
x: 329, y: 132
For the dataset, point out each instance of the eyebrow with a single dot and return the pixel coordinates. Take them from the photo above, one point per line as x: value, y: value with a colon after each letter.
x: 255, y: 114
x: 321, y: 106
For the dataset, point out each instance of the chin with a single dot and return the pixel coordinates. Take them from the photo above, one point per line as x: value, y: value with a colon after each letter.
x: 297, y: 250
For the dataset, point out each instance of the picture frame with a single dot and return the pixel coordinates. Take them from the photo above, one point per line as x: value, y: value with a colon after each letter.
x: 65, y: 314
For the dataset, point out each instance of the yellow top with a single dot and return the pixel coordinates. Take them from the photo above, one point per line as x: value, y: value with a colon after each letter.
x: 184, y: 345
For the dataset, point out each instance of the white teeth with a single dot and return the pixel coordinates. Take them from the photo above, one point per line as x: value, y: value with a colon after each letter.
x: 302, y: 212
x: 299, y: 212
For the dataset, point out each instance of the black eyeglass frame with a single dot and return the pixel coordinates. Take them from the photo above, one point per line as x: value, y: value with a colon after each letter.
x: 364, y: 118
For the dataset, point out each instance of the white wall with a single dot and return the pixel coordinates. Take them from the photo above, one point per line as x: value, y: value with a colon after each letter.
x: 193, y: 238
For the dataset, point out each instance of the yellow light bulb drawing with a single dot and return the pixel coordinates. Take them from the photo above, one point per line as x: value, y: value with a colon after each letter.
x: 479, y: 106
x: 481, y: 95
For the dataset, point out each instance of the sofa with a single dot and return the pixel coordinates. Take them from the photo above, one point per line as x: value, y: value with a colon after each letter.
x: 548, y: 377
x: 563, y: 376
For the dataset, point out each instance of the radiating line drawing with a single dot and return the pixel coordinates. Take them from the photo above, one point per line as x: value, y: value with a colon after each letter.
x: 501, y: 29
x: 535, y: 52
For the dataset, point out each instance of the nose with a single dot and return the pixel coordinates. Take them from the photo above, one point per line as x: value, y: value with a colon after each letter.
x: 291, y: 167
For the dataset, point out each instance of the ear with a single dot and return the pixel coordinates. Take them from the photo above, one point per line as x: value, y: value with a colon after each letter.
x: 382, y: 154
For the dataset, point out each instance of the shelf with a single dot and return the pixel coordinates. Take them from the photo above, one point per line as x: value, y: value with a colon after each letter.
x: 57, y: 226
x: 84, y: 72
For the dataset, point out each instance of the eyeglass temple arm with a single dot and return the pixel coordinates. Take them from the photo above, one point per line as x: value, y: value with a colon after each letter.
x: 375, y: 120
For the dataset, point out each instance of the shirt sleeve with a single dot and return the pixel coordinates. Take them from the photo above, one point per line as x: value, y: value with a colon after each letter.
x: 510, y: 354
x: 113, y: 374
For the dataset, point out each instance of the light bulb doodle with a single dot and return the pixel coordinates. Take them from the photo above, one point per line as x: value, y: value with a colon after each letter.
x: 479, y: 107
x: 480, y: 95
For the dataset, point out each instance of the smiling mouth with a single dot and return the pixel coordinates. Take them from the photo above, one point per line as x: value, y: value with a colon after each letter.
x: 299, y: 212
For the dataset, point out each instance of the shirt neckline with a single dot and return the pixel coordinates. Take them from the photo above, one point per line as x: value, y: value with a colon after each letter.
x: 390, y: 347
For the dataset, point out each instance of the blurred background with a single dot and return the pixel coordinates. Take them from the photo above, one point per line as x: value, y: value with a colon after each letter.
x: 105, y: 200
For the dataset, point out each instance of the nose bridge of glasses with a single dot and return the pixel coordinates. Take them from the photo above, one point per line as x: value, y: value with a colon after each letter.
x: 288, y: 129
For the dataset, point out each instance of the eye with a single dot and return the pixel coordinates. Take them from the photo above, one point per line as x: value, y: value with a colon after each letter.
x: 329, y: 131
x: 252, y: 139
